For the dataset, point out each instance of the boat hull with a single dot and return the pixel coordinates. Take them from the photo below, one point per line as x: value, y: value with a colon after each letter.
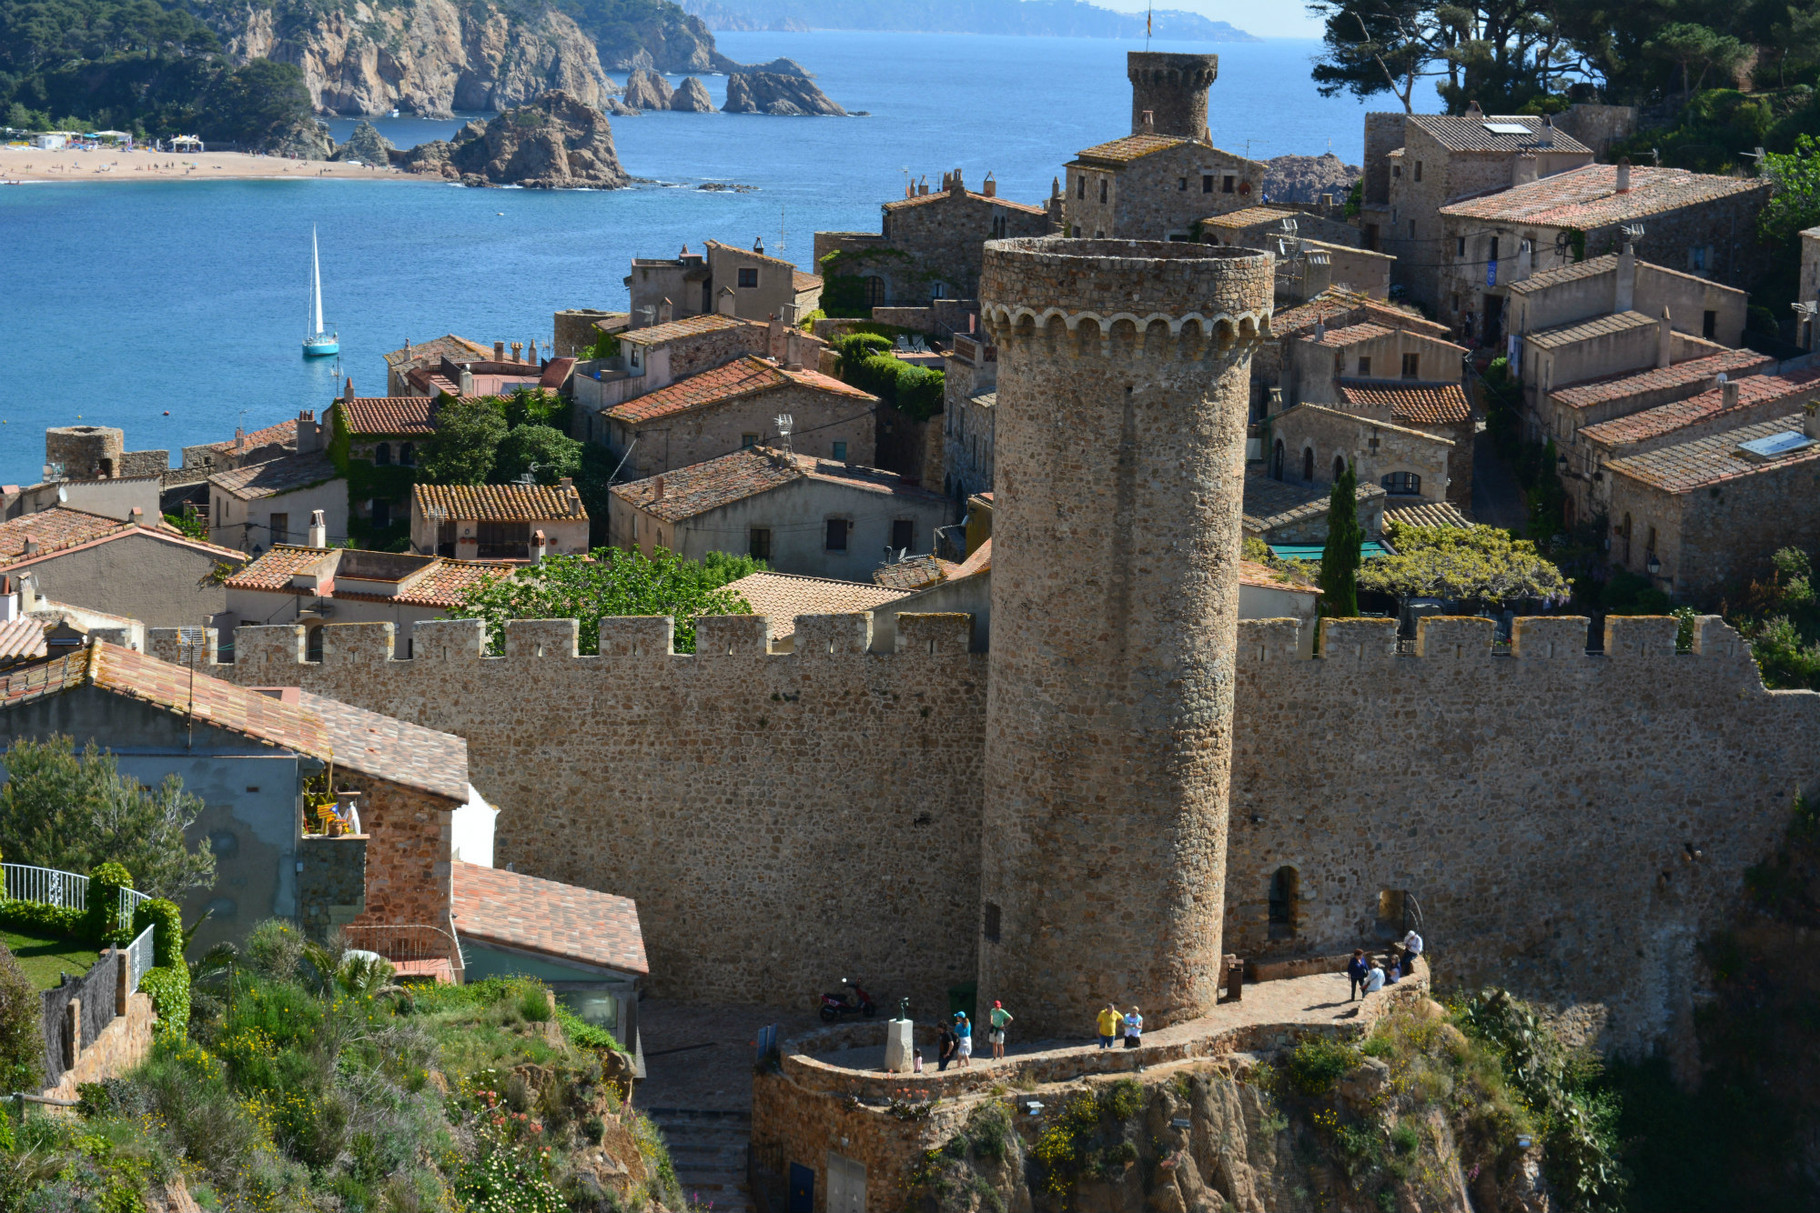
x: 321, y: 349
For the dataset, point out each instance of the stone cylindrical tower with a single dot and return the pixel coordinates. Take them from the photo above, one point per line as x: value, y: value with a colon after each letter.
x: 1123, y: 397
x: 1173, y: 88
x: 83, y: 452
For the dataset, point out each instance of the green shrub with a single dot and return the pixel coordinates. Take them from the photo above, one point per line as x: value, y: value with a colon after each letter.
x: 101, y: 923
x: 855, y: 348
x: 534, y: 1003
x: 1124, y: 1099
x: 36, y: 918
x: 169, y: 990
x: 584, y: 1034
x: 21, y: 1026
x: 166, y: 921
x: 275, y: 948
x: 1316, y: 1064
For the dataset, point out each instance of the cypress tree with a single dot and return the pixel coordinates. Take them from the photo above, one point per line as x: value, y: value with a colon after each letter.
x: 1340, y: 558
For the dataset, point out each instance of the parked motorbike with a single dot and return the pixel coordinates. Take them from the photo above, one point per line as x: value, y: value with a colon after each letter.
x: 850, y: 999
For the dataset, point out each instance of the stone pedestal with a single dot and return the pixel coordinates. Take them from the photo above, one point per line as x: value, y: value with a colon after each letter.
x: 900, y: 1045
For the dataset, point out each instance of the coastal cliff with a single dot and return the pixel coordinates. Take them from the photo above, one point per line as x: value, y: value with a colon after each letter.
x: 556, y: 142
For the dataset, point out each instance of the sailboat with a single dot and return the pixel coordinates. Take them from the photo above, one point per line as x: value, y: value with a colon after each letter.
x: 317, y: 343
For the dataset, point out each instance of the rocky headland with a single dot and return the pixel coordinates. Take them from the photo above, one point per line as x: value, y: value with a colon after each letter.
x: 556, y: 142
x: 1306, y: 178
x: 757, y: 92
x: 366, y: 145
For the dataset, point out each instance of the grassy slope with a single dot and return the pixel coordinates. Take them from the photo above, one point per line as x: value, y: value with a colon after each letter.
x: 45, y: 958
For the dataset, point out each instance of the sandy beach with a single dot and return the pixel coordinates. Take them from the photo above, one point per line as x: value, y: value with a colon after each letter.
x: 36, y: 164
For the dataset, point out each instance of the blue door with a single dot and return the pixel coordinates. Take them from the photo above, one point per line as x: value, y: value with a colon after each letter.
x: 802, y: 1188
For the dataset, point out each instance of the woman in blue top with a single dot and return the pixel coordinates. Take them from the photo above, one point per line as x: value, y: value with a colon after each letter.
x: 964, y: 1029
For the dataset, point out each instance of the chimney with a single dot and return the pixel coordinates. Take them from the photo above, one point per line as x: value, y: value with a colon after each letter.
x: 467, y: 544
x: 1546, y: 136
x: 1624, y: 174
x: 540, y: 546
x: 1809, y: 426
x: 1523, y: 169
x: 793, y: 350
x: 518, y: 351
x: 28, y: 593
x: 309, y: 436
x: 138, y: 517
x: 31, y: 544
x: 657, y: 489
x: 1665, y: 340
x: 1149, y: 122
x: 319, y: 530
x: 499, y: 351
x: 239, y: 440
x: 347, y: 393
x: 1728, y: 394
x: 758, y: 245
x: 922, y: 186
x: 666, y: 311
x: 774, y: 339
x: 955, y: 185
x: 1055, y: 188
x: 1626, y: 297
x: 1473, y: 112
x: 723, y: 302
x: 533, y: 358
x: 989, y: 187
x: 407, y: 347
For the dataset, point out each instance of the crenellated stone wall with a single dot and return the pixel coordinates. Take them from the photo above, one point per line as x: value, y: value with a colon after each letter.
x: 1569, y: 824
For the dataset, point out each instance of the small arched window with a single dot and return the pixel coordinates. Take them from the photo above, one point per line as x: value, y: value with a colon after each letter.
x: 1102, y: 189
x: 407, y: 454
x: 1285, y: 896
x: 312, y: 645
x: 382, y: 454
x: 1339, y: 466
x: 1308, y: 463
x: 1276, y: 461
x: 1626, y: 536
x: 875, y: 290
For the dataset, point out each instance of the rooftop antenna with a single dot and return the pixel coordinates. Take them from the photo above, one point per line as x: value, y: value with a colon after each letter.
x: 785, y: 423
x: 1633, y: 233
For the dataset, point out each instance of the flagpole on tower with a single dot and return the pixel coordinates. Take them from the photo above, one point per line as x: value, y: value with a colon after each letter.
x: 1149, y: 16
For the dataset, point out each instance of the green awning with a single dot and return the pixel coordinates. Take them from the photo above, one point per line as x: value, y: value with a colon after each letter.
x: 1312, y: 551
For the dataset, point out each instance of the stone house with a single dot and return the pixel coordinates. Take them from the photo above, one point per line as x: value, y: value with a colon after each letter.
x: 1332, y: 308
x: 735, y: 406
x: 261, y: 504
x: 1315, y: 443
x: 1154, y: 187
x: 316, y: 586
x: 1698, y: 515
x: 1809, y: 291
x: 457, y: 374
x: 1314, y: 253
x: 413, y: 356
x: 1259, y: 226
x: 300, y: 435
x: 928, y: 246
x: 655, y: 357
x: 755, y: 286
x: 1294, y: 511
x: 1726, y: 406
x: 1701, y: 224
x: 1266, y: 593
x: 797, y: 513
x: 969, y: 387
x: 97, y: 452
x: 1623, y: 282
x: 1439, y: 409
x: 1415, y: 164
x: 781, y: 597
x: 1383, y: 347
x: 1598, y: 350
x: 501, y: 522
x: 374, y: 442
x: 141, y: 570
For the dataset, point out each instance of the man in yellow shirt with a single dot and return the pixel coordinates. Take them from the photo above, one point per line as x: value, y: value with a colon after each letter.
x: 1110, y: 1019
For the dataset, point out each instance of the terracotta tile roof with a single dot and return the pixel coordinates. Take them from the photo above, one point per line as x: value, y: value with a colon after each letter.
x: 555, y: 373
x: 1585, y: 330
x: 57, y: 527
x: 745, y: 376
x: 1429, y: 513
x: 21, y: 639
x: 1334, y: 302
x: 448, y: 582
x: 392, y: 749
x: 783, y: 596
x: 1412, y: 403
x: 1251, y: 216
x: 455, y: 348
x: 1754, y: 392
x: 1588, y: 198
x: 1131, y: 147
x: 1351, y: 334
x: 1608, y: 388
x: 898, y: 204
x: 804, y: 282
x: 1273, y: 503
x: 388, y: 416
x: 497, y: 502
x: 563, y: 921
x: 282, y: 434
x: 1700, y: 462
x: 688, y: 326
x: 979, y: 562
x: 1592, y: 267
x: 275, y: 476
x: 274, y: 569
x: 913, y: 573
x: 1463, y: 134
x: 701, y: 487
x: 1265, y: 577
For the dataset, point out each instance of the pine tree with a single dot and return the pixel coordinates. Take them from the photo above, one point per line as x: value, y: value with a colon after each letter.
x: 1340, y: 558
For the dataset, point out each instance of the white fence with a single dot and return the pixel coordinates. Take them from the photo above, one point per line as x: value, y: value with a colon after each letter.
x: 46, y: 886
x: 138, y: 959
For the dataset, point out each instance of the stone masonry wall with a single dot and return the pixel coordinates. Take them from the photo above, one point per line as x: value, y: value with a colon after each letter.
x: 821, y: 419
x: 784, y: 820
x: 331, y: 885
x: 123, y: 1044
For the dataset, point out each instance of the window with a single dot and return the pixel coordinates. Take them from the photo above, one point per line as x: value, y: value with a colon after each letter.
x: 1364, y: 366
x: 635, y: 358
x: 1076, y: 233
x: 1396, y: 170
x: 747, y: 441
x: 903, y: 534
x: 445, y: 539
x: 1207, y: 183
x: 1709, y: 325
x: 1001, y: 226
x: 1276, y: 461
x: 281, y: 527
x: 1394, y: 913
x: 1418, y: 175
x: 1412, y: 364
x: 504, y: 541
x: 1339, y: 466
x: 407, y: 454
x: 382, y: 514
x: 1698, y: 258
x: 1099, y: 235
x: 875, y: 290
x: 1402, y: 484
x: 1228, y: 183
x: 1624, y: 533
x: 1080, y: 187
x: 1494, y: 249
x: 758, y: 543
x: 1103, y: 186
x: 1181, y: 183
x: 748, y: 276
x: 837, y: 534
x: 992, y: 924
x: 1459, y: 249
x: 1649, y: 545
x: 1308, y: 464
x: 312, y: 645
x: 840, y: 451
x: 382, y: 454
x: 1412, y: 229
x: 1285, y: 892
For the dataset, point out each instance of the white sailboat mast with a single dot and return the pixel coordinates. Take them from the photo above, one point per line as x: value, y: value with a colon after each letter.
x: 315, y: 284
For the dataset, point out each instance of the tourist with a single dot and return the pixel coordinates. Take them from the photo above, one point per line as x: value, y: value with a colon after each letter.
x: 1412, y: 948
x: 1110, y: 1019
x: 1374, y: 979
x: 945, y: 1050
x: 1134, y: 1028
x: 997, y: 1021
x: 1356, y: 971
x: 963, y: 1028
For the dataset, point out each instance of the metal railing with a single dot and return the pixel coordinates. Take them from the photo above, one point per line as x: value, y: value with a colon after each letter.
x: 130, y: 901
x: 46, y: 886
x: 138, y: 959
x: 408, y: 942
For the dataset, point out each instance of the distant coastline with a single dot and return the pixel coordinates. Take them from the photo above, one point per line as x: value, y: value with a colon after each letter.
x: 1015, y: 18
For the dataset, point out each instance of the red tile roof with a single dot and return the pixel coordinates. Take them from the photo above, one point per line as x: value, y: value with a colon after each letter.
x: 744, y: 376
x: 284, y: 433
x: 1714, y: 459
x: 800, y: 281
x: 1754, y: 391
x: 274, y: 570
x: 1588, y: 197
x: 1334, y: 302
x: 555, y: 373
x: 688, y: 326
x: 898, y: 204
x: 913, y: 573
x: 1469, y: 134
x: 449, y: 581
x: 699, y: 488
x: 1604, y: 390
x: 392, y: 749
x: 781, y: 597
x: 562, y: 921
x: 1351, y: 334
x: 286, y: 474
x: 1429, y: 513
x: 388, y: 416
x: 1131, y: 147
x: 57, y: 527
x: 498, y: 502
x: 457, y: 349
x: 1585, y: 330
x: 1265, y: 577
x: 1413, y: 403
x: 21, y: 639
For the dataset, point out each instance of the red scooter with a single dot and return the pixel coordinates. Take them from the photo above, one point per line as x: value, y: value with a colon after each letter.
x: 851, y: 1000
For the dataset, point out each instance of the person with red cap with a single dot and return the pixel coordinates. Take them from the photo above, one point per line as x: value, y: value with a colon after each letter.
x: 1000, y: 1017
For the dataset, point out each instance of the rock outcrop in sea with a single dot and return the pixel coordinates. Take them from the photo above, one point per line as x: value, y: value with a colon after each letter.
x: 556, y: 142
x: 775, y: 93
x: 691, y: 97
x: 646, y: 90
x: 1306, y: 178
x: 307, y: 139
x: 366, y: 145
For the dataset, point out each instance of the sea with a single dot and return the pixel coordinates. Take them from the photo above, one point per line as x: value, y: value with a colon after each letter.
x: 176, y: 310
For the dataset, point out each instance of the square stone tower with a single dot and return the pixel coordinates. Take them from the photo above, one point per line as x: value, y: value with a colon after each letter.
x: 1123, y: 393
x: 1173, y: 89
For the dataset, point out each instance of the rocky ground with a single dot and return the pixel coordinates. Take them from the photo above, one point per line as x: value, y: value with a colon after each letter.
x: 1306, y: 178
x: 557, y: 142
x: 763, y: 92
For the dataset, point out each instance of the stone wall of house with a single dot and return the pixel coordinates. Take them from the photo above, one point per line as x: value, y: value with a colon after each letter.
x: 1375, y: 449
x: 331, y: 885
x: 1570, y: 825
x: 1161, y: 196
x: 821, y: 419
x: 574, y: 331
x: 700, y: 352
x: 409, y: 840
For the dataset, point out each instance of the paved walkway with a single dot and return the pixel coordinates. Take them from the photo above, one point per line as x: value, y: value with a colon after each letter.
x: 1496, y: 500
x: 700, y: 1056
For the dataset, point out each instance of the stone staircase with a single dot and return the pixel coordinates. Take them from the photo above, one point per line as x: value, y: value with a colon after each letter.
x: 709, y: 1152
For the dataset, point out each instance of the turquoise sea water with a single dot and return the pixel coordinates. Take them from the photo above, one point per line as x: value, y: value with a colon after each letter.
x: 120, y: 301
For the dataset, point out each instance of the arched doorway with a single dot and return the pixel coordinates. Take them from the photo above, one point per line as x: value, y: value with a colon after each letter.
x: 1276, y: 461
x: 1308, y: 464
x: 1285, y: 898
x: 1339, y: 466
